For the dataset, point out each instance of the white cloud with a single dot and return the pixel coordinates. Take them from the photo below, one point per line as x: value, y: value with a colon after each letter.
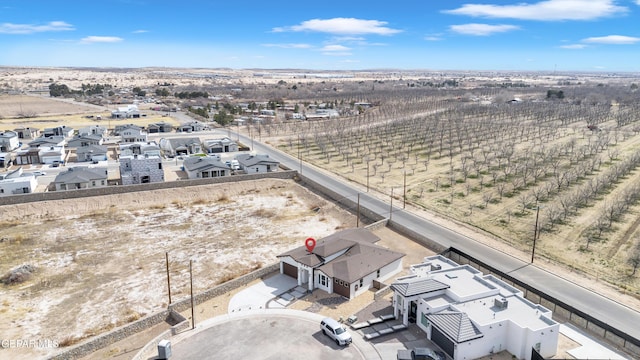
x: 549, y: 10
x: 573, y: 46
x: 433, y: 37
x: 100, y: 39
x: 612, y: 39
x: 482, y: 29
x: 289, y: 46
x: 335, y: 48
x: 342, y: 26
x: 9, y: 28
x: 140, y: 31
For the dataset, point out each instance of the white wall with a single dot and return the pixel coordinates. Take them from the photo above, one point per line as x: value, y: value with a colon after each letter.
x: 328, y: 287
x: 386, y: 272
x: 9, y: 186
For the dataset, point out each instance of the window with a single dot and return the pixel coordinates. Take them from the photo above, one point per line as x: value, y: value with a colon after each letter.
x: 93, y: 183
x: 335, y: 280
x: 378, y: 273
x: 361, y: 282
x: 346, y: 284
x: 341, y: 282
x: 102, y: 182
x: 424, y: 321
x: 323, y: 280
x: 159, y: 165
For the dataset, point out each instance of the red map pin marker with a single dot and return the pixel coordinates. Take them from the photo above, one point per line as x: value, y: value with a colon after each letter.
x: 310, y: 243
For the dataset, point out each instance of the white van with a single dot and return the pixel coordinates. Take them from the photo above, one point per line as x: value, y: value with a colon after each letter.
x: 336, y: 331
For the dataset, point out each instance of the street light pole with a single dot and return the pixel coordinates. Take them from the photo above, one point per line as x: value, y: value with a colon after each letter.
x: 168, y: 277
x: 193, y: 316
x: 535, y: 234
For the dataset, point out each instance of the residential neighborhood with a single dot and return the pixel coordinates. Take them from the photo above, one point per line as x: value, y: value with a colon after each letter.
x: 127, y: 153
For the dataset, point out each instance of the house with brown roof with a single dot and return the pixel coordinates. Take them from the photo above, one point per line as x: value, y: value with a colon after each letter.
x: 346, y: 263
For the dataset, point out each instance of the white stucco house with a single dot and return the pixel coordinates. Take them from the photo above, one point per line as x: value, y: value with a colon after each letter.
x: 471, y: 315
x: 150, y: 148
x: 252, y: 164
x: 346, y: 263
x: 202, y: 167
x: 9, y: 141
x: 15, y: 182
x: 81, y: 178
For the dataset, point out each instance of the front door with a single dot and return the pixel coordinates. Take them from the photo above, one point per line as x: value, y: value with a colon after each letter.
x: 412, y: 312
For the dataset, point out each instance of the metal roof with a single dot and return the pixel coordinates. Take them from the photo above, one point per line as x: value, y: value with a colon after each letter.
x: 455, y: 325
x: 419, y: 285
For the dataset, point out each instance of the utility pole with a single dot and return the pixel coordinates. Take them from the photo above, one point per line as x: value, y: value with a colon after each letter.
x: 535, y: 234
x: 358, y: 213
x: 168, y: 278
x: 193, y: 317
x: 391, y: 207
x: 404, y: 195
x: 367, y: 176
x: 299, y: 156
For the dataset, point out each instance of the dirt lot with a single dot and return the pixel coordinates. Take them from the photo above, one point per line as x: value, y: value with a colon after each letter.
x: 42, y: 112
x: 100, y: 262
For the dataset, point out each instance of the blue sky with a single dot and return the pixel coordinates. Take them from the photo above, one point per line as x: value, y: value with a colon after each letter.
x: 582, y: 35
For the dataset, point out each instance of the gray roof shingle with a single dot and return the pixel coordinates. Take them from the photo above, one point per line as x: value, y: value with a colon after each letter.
x: 362, y: 256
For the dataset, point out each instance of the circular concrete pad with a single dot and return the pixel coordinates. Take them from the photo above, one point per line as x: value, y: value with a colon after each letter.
x: 263, y: 336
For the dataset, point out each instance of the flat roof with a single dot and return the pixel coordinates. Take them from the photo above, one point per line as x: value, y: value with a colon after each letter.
x: 518, y: 310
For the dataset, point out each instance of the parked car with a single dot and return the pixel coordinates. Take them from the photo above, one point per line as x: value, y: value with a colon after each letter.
x: 39, y: 173
x: 420, y: 354
x: 336, y: 331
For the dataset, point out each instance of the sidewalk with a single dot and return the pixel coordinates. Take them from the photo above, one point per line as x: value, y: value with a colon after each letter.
x: 589, y: 349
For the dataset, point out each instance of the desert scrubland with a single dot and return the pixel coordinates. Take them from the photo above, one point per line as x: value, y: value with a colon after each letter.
x: 505, y: 155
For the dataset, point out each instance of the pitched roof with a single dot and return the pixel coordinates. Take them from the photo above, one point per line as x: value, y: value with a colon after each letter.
x: 418, y: 285
x: 360, y: 260
x: 361, y: 256
x: 178, y: 142
x: 200, y: 163
x: 456, y: 325
x: 99, y: 149
x: 251, y: 160
x: 81, y: 174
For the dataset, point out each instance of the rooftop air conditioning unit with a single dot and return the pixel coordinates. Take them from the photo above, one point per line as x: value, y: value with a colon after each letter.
x: 501, y: 303
x: 435, y: 267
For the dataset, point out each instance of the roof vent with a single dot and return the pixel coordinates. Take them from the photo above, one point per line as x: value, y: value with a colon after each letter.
x: 435, y: 267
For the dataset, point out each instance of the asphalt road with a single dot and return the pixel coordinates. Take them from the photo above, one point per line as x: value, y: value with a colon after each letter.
x: 607, y: 311
x: 263, y: 337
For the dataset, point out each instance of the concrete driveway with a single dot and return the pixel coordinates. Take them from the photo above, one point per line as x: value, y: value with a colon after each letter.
x: 266, y: 334
x: 276, y: 291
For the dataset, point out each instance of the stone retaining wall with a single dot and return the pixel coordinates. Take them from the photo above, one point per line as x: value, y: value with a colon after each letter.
x: 224, y: 288
x: 112, y: 336
x: 170, y: 315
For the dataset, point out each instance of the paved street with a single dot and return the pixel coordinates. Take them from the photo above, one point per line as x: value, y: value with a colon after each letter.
x: 604, y: 309
x: 293, y: 336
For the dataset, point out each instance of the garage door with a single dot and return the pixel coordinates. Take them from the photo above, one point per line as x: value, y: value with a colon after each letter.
x: 441, y: 340
x: 341, y: 288
x: 290, y: 270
